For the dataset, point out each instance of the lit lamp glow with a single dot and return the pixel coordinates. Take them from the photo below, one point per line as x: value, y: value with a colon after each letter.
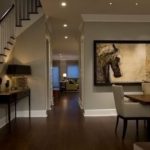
x: 64, y: 75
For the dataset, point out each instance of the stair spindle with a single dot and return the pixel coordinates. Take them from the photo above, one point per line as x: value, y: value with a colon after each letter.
x: 18, y: 13
x: 38, y: 4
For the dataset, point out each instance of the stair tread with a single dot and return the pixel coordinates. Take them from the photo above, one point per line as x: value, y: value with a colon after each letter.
x: 3, y: 55
x: 6, y: 48
x: 12, y: 37
x: 33, y: 12
x: 10, y: 43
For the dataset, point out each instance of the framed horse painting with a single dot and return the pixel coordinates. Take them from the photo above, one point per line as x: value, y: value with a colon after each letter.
x: 121, y: 62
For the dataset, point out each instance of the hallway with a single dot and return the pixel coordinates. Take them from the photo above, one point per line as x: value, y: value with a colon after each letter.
x: 66, y: 129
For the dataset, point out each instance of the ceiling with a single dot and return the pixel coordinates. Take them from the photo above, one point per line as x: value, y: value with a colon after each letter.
x: 71, y: 14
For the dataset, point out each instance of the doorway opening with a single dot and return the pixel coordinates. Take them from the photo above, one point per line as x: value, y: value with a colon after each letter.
x: 65, y: 78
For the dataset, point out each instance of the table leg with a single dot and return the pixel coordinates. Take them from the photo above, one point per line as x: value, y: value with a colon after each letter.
x: 9, y: 113
x: 29, y: 106
x: 15, y: 109
x: 148, y: 128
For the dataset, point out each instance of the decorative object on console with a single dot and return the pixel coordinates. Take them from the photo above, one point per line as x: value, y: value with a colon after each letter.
x: 18, y: 75
x: 7, y: 85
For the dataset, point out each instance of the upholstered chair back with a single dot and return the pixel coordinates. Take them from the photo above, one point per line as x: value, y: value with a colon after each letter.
x: 119, y: 98
x: 146, y: 87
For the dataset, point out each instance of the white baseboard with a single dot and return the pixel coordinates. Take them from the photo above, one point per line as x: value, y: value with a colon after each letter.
x: 34, y: 113
x: 99, y: 112
x: 4, y: 120
x: 80, y: 103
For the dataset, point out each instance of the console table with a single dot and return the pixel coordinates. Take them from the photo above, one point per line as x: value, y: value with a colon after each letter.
x: 12, y: 97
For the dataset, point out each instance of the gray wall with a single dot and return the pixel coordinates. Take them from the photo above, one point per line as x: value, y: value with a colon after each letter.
x: 30, y: 49
x: 102, y: 97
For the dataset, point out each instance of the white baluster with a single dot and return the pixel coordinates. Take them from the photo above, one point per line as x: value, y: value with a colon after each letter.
x: 7, y: 30
x: 0, y: 38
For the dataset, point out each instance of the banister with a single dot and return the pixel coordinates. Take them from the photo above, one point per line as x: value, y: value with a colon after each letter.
x: 6, y: 13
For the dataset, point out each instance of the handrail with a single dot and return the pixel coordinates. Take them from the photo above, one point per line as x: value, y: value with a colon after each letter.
x: 6, y: 13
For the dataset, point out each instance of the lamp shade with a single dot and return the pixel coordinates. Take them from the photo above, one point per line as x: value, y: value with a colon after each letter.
x: 18, y: 70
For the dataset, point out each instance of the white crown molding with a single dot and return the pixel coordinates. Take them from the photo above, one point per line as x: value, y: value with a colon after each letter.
x: 115, y: 18
x: 99, y: 112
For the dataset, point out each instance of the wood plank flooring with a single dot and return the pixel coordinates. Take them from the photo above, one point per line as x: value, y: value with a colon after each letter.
x: 67, y: 129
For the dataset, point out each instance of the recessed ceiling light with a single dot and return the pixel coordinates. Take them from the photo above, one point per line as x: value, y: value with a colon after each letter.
x: 65, y: 25
x: 63, y: 4
x: 136, y: 4
x: 110, y: 3
x: 66, y: 37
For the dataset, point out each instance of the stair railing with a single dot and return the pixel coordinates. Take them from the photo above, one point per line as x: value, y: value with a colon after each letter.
x: 7, y: 31
x: 24, y: 8
x: 20, y: 10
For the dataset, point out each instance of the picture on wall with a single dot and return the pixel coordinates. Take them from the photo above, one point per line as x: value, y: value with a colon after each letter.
x: 121, y: 62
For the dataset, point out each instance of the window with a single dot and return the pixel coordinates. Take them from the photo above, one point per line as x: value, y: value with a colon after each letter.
x: 55, y: 77
x: 73, y: 71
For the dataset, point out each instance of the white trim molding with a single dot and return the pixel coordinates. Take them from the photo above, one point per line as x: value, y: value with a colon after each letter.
x: 80, y: 103
x: 115, y: 18
x: 23, y: 114
x: 34, y: 113
x: 99, y: 112
x: 4, y: 120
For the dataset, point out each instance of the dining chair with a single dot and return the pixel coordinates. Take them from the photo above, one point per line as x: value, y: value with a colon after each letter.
x: 128, y: 110
x: 146, y: 87
x: 146, y: 90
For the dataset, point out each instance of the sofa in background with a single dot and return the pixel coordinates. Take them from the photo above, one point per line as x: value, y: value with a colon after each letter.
x: 72, y: 85
x: 69, y: 85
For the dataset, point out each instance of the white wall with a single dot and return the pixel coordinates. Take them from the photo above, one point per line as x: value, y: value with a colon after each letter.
x: 30, y: 49
x: 101, y: 97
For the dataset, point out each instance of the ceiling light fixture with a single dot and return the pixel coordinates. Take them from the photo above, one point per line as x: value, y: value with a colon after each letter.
x: 110, y: 3
x: 63, y: 4
x: 136, y: 4
x: 66, y: 37
x: 65, y: 25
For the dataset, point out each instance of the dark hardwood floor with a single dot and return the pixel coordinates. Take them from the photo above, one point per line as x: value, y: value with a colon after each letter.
x: 67, y: 129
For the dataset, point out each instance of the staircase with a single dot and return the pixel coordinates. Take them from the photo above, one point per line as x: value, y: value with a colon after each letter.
x: 15, y: 20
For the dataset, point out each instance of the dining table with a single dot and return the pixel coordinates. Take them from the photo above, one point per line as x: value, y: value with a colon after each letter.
x: 144, y: 99
x: 141, y: 98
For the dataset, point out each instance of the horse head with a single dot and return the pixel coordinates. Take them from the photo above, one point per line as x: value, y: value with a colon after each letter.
x: 114, y: 63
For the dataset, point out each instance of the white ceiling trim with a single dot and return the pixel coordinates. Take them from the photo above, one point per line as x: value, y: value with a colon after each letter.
x: 115, y: 18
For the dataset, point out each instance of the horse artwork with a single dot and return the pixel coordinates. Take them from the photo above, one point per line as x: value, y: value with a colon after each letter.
x: 107, y: 59
x: 121, y: 62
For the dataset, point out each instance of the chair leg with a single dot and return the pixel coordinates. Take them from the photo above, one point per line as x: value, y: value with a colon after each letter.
x: 117, y: 121
x: 125, y: 122
x: 137, y: 127
x: 145, y: 123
